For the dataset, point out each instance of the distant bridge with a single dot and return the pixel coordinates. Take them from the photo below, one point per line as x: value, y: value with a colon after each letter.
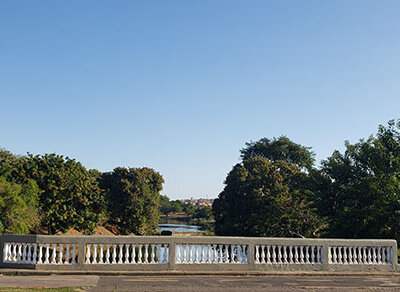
x: 208, y: 253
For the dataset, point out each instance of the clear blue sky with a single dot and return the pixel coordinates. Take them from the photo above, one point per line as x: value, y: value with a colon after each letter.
x: 180, y: 86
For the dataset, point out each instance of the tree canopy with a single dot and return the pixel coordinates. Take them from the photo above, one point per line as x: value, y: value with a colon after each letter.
x: 69, y: 197
x: 281, y: 148
x: 264, y: 197
x: 133, y: 196
x: 362, y: 187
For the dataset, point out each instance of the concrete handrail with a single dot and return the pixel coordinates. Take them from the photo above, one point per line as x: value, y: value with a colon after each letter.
x: 150, y: 253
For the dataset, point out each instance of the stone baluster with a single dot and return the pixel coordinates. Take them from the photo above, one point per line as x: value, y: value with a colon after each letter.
x: 146, y: 253
x: 179, y: 254
x: 239, y: 254
x: 140, y: 253
x: 319, y: 256
x: 60, y: 254
x: 355, y: 255
x: 373, y: 255
x: 73, y: 258
x: 88, y: 248
x: 23, y: 257
x: 107, y: 261
x: 384, y: 259
x: 191, y: 259
x: 369, y: 251
x: 285, y: 254
x: 257, y: 253
x: 40, y: 257
x: 47, y: 254
x: 94, y: 260
x: 301, y: 254
x: 185, y: 254
x: 291, y: 255
x: 379, y: 258
x: 245, y: 254
x: 296, y: 254
x: 389, y: 255
x: 126, y: 260
x: 29, y: 255
x: 279, y: 254
x: 120, y: 254
x: 166, y: 253
x: 12, y: 252
x: 203, y: 254
x: 349, y: 255
x: 215, y: 255
x: 67, y: 254
x: 312, y: 254
x: 273, y: 254
x: 232, y: 259
x: 208, y: 253
x: 220, y: 253
x: 364, y: 256
x: 114, y: 254
x: 19, y: 255
x: 196, y: 254
x: 262, y: 254
x: 360, y: 259
x: 133, y: 254
x: 340, y: 255
x: 54, y: 254
x: 101, y: 254
x: 5, y: 253
x: 152, y: 255
x: 226, y: 254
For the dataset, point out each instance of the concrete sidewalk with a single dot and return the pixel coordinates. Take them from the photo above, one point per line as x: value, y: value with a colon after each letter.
x: 29, y: 272
x: 180, y: 283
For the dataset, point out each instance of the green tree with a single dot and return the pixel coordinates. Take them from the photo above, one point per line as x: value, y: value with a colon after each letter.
x: 70, y: 196
x: 189, y: 208
x: 360, y: 189
x: 203, y: 212
x: 281, y: 148
x: 18, y: 213
x: 133, y: 198
x: 12, y: 167
x: 166, y: 206
x: 264, y: 197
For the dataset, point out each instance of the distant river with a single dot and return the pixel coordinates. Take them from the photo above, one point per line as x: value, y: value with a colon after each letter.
x: 176, y: 224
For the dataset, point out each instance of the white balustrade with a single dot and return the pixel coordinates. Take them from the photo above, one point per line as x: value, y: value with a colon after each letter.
x: 366, y: 255
x: 211, y: 253
x: 126, y: 253
x: 37, y: 254
x: 281, y: 254
x: 272, y: 253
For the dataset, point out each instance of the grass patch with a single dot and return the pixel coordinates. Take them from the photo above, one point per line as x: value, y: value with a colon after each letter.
x: 63, y: 289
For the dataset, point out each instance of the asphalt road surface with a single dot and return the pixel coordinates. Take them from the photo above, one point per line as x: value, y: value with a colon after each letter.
x: 273, y: 283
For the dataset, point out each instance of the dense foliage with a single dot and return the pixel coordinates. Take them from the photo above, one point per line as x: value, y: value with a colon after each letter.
x: 360, y: 191
x: 69, y: 197
x: 133, y: 197
x: 277, y: 191
x: 281, y: 148
x: 55, y: 193
x: 274, y: 191
x: 263, y: 197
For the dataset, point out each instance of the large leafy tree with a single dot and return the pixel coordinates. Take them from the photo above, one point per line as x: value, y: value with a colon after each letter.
x: 70, y: 196
x: 19, y: 196
x: 18, y: 206
x: 266, y: 197
x: 360, y: 188
x: 133, y: 196
x: 281, y: 148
